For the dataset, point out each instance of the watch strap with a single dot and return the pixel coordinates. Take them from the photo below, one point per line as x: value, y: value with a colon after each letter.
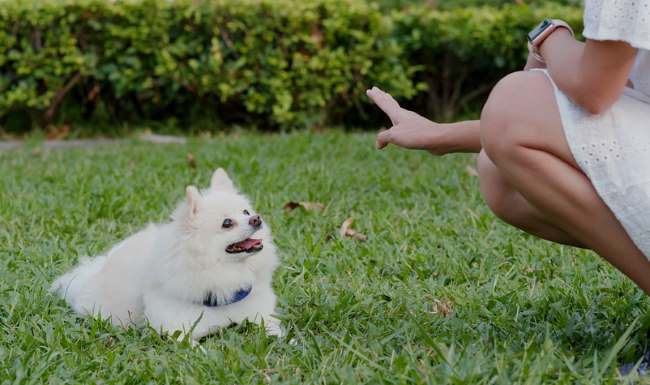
x: 533, y: 46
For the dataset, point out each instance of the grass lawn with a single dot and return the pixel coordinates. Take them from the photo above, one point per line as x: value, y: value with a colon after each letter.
x: 441, y: 292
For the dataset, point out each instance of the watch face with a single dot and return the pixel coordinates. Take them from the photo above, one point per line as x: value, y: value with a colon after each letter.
x: 539, y: 29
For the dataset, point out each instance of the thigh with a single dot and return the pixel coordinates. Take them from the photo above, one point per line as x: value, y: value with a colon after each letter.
x: 522, y: 111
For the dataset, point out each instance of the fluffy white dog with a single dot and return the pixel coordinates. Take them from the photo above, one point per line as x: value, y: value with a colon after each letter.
x: 209, y: 267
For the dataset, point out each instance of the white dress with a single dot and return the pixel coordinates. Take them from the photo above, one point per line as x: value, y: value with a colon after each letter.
x: 613, y: 148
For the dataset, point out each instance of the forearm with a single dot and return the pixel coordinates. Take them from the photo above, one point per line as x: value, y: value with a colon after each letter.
x: 592, y: 74
x: 563, y: 54
x: 462, y: 136
x: 413, y: 131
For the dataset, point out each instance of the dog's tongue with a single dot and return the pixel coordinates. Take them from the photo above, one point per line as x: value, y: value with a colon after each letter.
x: 249, y: 243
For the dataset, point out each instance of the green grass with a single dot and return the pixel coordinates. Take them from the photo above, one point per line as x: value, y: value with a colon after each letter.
x: 524, y: 310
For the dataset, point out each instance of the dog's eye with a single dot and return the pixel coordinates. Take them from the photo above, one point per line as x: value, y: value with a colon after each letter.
x: 246, y: 212
x: 227, y: 223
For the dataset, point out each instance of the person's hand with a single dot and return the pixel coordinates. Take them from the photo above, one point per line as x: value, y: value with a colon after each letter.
x: 409, y: 129
x: 532, y: 62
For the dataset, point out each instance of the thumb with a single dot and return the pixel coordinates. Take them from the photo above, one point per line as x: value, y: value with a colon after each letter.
x: 384, y: 138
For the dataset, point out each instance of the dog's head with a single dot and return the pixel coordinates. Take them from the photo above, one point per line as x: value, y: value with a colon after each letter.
x: 220, y: 222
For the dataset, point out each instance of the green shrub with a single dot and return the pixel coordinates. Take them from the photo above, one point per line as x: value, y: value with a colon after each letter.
x: 280, y: 63
x: 271, y: 63
x: 463, y: 52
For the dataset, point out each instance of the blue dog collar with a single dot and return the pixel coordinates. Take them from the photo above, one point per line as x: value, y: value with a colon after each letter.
x: 212, y: 300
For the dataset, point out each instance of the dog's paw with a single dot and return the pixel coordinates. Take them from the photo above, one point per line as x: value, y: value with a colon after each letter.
x: 276, y: 332
x: 273, y: 328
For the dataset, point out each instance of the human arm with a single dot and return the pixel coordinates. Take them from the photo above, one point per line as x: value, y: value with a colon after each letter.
x: 592, y: 74
x: 413, y: 131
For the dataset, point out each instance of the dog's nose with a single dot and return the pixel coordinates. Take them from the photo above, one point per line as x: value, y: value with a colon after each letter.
x: 255, y: 221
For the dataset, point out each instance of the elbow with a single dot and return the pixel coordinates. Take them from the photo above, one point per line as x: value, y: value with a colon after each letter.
x: 596, y: 106
x: 594, y: 103
x: 593, y: 97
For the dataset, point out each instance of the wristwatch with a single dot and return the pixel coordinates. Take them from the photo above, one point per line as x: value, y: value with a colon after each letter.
x: 537, y: 36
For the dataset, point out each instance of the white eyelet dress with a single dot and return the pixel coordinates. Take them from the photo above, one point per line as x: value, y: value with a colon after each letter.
x: 613, y: 148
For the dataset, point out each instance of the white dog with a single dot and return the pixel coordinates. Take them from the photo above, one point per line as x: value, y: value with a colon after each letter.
x: 209, y: 267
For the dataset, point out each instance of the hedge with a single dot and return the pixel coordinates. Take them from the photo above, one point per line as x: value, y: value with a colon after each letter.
x: 464, y: 52
x: 269, y: 63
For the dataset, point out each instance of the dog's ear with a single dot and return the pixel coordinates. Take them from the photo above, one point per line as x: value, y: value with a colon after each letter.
x: 221, y: 181
x: 193, y: 198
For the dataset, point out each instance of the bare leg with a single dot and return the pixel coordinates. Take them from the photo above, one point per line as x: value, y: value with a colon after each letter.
x: 529, y: 177
x: 509, y: 205
x: 413, y: 131
x: 521, y: 132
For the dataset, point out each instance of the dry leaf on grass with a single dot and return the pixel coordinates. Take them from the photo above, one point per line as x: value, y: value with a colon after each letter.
x: 308, y: 206
x: 471, y: 171
x: 442, y: 307
x: 191, y: 161
x: 267, y: 373
x: 347, y: 232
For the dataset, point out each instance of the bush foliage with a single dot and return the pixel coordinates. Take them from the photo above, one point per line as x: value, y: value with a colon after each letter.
x: 463, y: 52
x: 271, y: 63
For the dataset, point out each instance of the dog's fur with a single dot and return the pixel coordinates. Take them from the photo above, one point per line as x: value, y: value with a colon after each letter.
x: 163, y: 273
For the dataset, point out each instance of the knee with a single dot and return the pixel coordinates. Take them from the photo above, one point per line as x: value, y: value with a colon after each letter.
x: 497, y: 194
x: 500, y: 203
x: 503, y: 116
